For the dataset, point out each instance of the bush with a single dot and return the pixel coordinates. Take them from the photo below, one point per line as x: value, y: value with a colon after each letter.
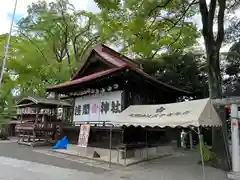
x: 3, y: 132
x: 207, y: 154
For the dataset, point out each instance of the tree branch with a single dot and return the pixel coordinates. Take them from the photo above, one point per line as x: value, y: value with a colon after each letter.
x: 232, y: 5
x: 204, y: 16
x: 89, y: 43
x: 74, y: 42
x: 182, y: 16
x: 37, y: 47
x: 211, y: 14
x: 159, y: 6
x: 220, y: 34
x: 173, y: 42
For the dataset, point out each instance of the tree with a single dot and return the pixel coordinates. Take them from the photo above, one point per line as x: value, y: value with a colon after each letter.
x: 147, y: 28
x: 185, y: 71
x: 232, y: 81
x: 213, y: 41
x: 68, y: 32
x: 210, y: 13
x: 30, y: 69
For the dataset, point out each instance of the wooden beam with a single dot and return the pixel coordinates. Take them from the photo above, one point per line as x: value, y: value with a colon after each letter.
x: 226, y: 101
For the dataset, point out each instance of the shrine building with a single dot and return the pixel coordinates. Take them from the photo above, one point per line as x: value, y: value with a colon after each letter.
x: 106, y: 84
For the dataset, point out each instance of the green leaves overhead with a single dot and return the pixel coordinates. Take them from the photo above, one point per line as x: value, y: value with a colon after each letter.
x: 148, y: 27
x: 28, y: 69
x: 68, y: 32
x: 52, y: 40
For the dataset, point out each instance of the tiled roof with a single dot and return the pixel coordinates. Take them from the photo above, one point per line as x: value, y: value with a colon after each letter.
x: 110, y: 56
x: 85, y: 78
x: 119, y: 62
x: 41, y: 101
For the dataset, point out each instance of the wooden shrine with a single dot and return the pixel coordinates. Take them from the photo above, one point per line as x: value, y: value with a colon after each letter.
x: 107, y: 84
x: 40, y: 120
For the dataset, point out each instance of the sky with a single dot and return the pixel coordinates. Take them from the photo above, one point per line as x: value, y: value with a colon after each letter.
x: 89, y: 5
x: 6, y: 10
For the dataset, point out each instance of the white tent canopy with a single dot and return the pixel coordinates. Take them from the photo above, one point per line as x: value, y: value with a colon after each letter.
x: 189, y: 113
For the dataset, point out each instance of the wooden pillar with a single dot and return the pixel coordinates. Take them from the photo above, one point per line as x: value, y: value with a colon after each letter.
x: 35, y: 125
x: 45, y: 124
x: 19, y: 130
x: 178, y: 135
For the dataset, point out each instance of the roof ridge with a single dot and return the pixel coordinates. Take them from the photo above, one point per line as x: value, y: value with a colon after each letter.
x: 118, y: 54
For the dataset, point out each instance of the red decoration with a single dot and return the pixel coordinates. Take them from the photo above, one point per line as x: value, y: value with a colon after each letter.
x: 234, y: 124
x: 94, y: 108
x: 229, y: 108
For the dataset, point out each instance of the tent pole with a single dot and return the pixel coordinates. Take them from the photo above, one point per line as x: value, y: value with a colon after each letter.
x: 147, y: 143
x: 201, y: 152
x: 190, y: 139
x: 110, y: 146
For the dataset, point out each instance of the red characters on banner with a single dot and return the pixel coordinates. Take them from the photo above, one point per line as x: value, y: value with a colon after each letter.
x: 234, y: 124
x: 94, y: 108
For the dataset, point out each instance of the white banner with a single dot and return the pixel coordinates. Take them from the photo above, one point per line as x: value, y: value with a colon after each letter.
x: 83, y: 135
x: 100, y: 107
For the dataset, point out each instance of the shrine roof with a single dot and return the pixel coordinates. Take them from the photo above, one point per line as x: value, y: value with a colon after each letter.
x: 84, y: 79
x: 111, y: 71
x: 41, y: 101
x: 115, y: 63
x: 110, y: 56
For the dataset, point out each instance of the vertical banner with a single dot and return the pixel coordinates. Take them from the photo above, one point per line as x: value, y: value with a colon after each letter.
x: 83, y: 135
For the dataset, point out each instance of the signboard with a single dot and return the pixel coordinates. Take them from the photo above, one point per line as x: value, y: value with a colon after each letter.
x: 100, y: 107
x: 83, y: 135
x: 159, y: 112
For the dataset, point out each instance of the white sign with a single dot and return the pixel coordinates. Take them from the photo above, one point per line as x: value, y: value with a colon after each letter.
x: 83, y: 135
x: 100, y: 107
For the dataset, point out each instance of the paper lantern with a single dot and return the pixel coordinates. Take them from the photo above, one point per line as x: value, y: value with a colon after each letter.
x: 115, y: 86
x: 109, y: 88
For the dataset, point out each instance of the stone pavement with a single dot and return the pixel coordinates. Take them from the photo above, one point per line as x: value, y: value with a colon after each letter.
x: 177, y: 167
x: 13, y: 169
x: 21, y: 152
x: 18, y: 159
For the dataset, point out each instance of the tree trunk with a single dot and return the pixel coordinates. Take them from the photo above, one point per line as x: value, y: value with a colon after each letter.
x: 214, y: 75
x: 219, y: 134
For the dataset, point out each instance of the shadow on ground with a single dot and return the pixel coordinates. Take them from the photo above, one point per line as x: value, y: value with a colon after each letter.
x: 26, y: 153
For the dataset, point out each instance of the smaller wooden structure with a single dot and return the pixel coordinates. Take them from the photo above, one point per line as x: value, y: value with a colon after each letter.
x: 40, y: 120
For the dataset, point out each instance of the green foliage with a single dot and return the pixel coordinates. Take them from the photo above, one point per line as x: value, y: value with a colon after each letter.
x: 54, y: 37
x: 205, y: 150
x: 28, y: 72
x: 68, y: 32
x: 147, y: 27
x: 232, y: 69
x: 185, y: 71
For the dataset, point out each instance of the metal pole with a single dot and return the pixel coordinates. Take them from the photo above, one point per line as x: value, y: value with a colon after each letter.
x: 7, y: 45
x: 235, y: 139
x: 146, y: 144
x: 191, y: 139
x: 235, y: 173
x: 110, y: 147
x: 201, y: 152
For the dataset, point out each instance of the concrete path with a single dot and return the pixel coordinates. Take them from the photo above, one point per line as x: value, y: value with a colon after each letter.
x: 13, y: 169
x: 21, y: 162
x: 178, y: 167
x: 21, y: 152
